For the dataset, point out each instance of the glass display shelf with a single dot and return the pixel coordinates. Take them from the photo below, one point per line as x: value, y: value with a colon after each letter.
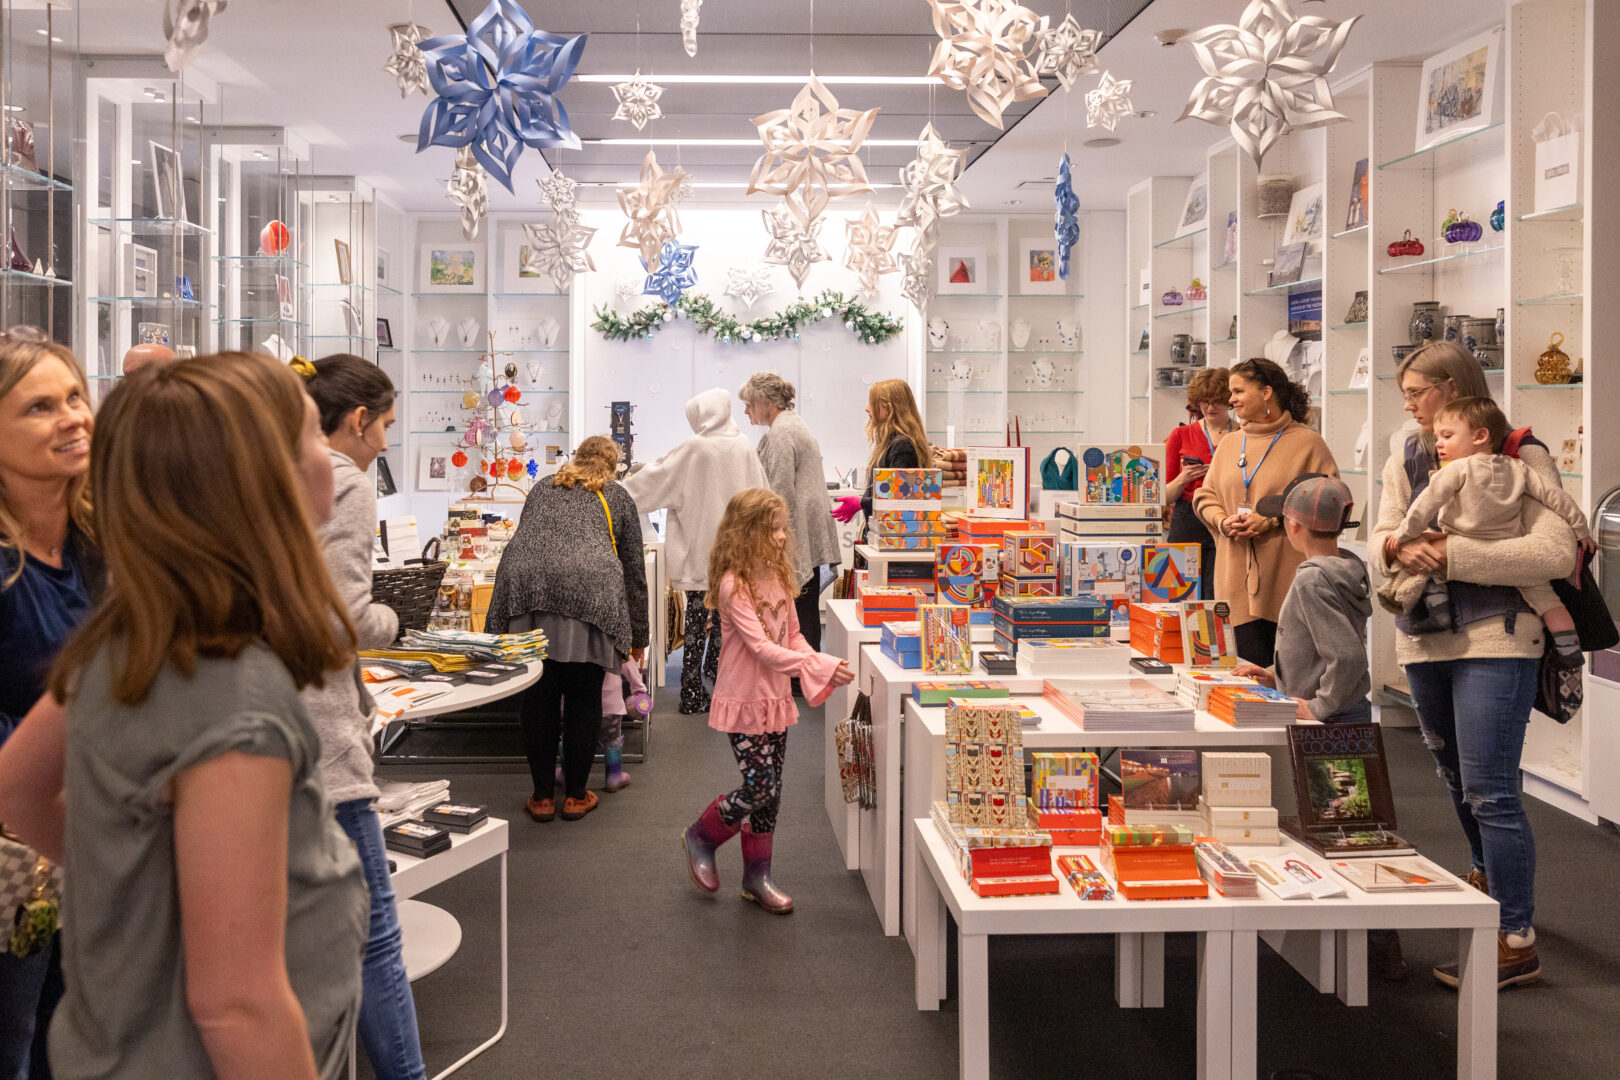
x: 1046, y: 296
x: 1284, y: 287
x: 1354, y: 472
x: 504, y: 295
x: 459, y: 432
x: 264, y: 320
x: 1384, y: 378
x: 1348, y: 390
x: 954, y: 390
x: 1227, y: 265
x: 152, y: 301
x: 1053, y: 431
x: 32, y: 278
x: 388, y: 348
x: 472, y: 350
x: 1556, y: 298
x: 20, y: 179
x: 1459, y: 148
x: 1348, y: 325
x: 1570, y: 475
x: 964, y: 352
x: 1410, y: 267
x: 1569, y: 212
x: 1350, y: 232
x: 1138, y: 307
x: 338, y: 285
x: 1224, y: 341
x: 390, y: 290
x: 361, y: 338
x: 1549, y: 386
x: 1139, y: 397
x: 103, y: 378
x: 1050, y: 390
x: 1181, y: 311
x: 259, y: 261
x: 1063, y: 352
x: 470, y: 294
x: 969, y: 296
x: 1185, y: 240
x: 154, y: 226
x: 520, y: 352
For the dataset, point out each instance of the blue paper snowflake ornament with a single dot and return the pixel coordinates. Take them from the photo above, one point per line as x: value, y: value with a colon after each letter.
x: 675, y: 273
x: 1065, y: 225
x: 496, y: 89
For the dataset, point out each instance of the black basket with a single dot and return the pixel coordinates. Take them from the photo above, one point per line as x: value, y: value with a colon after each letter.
x: 410, y: 592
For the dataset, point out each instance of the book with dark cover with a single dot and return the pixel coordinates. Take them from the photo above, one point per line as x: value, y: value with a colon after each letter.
x: 416, y: 838
x: 1341, y: 783
x: 457, y: 817
x: 1157, y: 779
x: 443, y: 678
x: 996, y: 662
x: 1147, y: 665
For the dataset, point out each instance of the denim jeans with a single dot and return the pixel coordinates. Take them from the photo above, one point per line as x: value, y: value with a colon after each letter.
x: 387, y: 1010
x: 1473, y: 714
x: 30, y: 988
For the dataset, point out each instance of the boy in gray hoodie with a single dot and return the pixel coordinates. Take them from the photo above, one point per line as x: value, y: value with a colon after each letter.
x: 1321, y: 659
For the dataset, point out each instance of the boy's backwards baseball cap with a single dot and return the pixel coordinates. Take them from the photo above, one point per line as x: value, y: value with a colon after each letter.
x: 1317, y: 502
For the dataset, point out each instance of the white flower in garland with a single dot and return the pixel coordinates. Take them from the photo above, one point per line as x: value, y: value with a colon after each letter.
x: 468, y: 188
x: 1109, y: 103
x: 987, y: 48
x: 748, y: 285
x: 638, y: 101
x: 1267, y: 75
x: 1067, y: 52
x: 794, y: 241
x: 929, y: 181
x: 870, y: 251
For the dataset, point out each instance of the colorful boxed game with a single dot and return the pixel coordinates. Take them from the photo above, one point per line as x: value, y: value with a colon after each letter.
x: 902, y: 643
x: 1083, y: 876
x: 983, y: 721
x: 947, y: 642
x: 1207, y: 637
x: 1237, y: 778
x: 1021, y: 631
x: 1115, y: 474
x: 997, y: 482
x: 999, y: 661
x: 906, y: 485
x: 1065, y: 779
x: 1067, y: 609
x: 1029, y: 555
x: 959, y: 574
x: 1008, y: 585
x: 906, y: 541
x: 1070, y: 828
x: 1154, y: 873
x: 940, y: 693
x: 983, y: 528
x: 1170, y: 572
x: 900, y: 521
x: 1106, y: 569
x: 1084, y: 511
x: 988, y: 808
x: 878, y: 604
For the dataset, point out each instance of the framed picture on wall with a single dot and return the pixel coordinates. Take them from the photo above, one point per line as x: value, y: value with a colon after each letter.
x: 452, y: 267
x: 1306, y: 218
x: 345, y: 269
x: 1195, y: 210
x: 167, y: 183
x: 1038, y: 267
x: 385, y: 334
x: 385, y: 268
x: 433, y: 468
x: 963, y: 270
x: 1356, y: 216
x: 514, y: 254
x: 284, y: 298
x: 1457, y: 94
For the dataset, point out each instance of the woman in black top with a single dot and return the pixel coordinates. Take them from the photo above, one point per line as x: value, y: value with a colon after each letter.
x: 895, y: 429
x: 49, y: 573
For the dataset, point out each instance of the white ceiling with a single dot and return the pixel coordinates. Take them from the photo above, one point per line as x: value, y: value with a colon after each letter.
x: 315, y: 66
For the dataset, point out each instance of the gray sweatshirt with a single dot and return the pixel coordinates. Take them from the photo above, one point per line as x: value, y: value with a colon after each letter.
x: 340, y: 711
x: 1321, y: 649
x: 792, y: 460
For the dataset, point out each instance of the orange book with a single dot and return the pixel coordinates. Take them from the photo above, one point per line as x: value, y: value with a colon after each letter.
x: 1031, y: 885
x: 1154, y: 873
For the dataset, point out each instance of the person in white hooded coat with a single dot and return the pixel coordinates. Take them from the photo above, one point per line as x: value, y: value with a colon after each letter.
x: 693, y: 482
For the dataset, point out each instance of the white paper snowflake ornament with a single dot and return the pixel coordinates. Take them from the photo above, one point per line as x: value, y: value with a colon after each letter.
x: 468, y: 188
x: 870, y: 251
x: 1067, y: 51
x: 987, y: 48
x: 559, y: 249
x: 1109, y: 103
x: 795, y: 242
x: 651, y: 210
x: 811, y: 151
x: 916, y: 278
x: 638, y: 101
x: 929, y: 181
x: 748, y: 284
x: 406, y: 63
x: 1267, y: 75
x: 689, y: 25
x: 558, y: 190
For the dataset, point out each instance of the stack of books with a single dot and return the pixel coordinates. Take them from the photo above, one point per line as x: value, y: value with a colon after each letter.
x: 456, y: 817
x: 1229, y: 875
x: 1072, y: 656
x: 1156, y: 631
x: 1138, y: 523
x: 1252, y: 706
x: 947, y: 639
x: 907, y: 509
x: 1017, y: 618
x: 1112, y: 571
x: 998, y: 662
x: 1064, y: 796
x: 416, y: 838
x: 1152, y: 862
x: 1235, y: 804
x: 940, y: 693
x: 1124, y: 704
x: 878, y: 604
x: 902, y: 643
x: 1194, y: 687
x: 505, y: 648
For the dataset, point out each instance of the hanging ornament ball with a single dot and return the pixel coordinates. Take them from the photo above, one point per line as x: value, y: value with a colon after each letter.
x: 497, y: 467
x: 668, y: 315
x: 496, y: 396
x: 274, y: 238
x: 469, y: 400
x: 512, y: 394
x: 514, y: 468
x: 459, y: 459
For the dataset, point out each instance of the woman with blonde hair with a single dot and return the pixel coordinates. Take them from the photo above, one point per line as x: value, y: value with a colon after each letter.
x: 894, y: 427
x: 217, y: 912
x: 1187, y: 454
x: 750, y: 582
x: 794, y: 470
x: 574, y: 569
x: 49, y: 573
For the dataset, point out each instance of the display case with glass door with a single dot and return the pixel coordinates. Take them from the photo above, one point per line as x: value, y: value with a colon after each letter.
x: 343, y: 306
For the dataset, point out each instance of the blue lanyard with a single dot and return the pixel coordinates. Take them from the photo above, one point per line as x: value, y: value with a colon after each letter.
x: 1243, y: 459
x: 1209, y: 442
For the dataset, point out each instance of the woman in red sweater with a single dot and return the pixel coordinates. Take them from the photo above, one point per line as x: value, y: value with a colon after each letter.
x: 1187, y: 453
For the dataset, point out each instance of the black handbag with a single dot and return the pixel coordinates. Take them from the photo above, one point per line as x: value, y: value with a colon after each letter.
x: 1560, y: 689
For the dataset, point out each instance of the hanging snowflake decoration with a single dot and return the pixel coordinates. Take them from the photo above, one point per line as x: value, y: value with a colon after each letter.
x: 185, y: 28
x: 558, y: 191
x: 683, y: 190
x: 497, y: 89
x: 987, y: 48
x: 406, y: 63
x: 916, y: 278
x: 468, y: 188
x: 810, y: 151
x: 559, y: 249
x: 1267, y: 75
x: 673, y: 274
x: 1067, y: 52
x: 689, y: 25
x: 748, y: 285
x: 638, y: 101
x: 624, y: 290
x: 650, y: 207
x: 795, y: 243
x: 870, y: 251
x: 1109, y: 103
x: 1065, y: 225
x: 930, y: 187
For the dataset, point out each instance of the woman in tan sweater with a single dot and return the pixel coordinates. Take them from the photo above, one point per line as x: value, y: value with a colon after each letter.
x: 1254, y: 563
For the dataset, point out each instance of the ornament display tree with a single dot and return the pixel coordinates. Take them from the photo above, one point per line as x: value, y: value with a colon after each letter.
x: 1518, y: 269
x: 40, y: 144
x: 260, y: 176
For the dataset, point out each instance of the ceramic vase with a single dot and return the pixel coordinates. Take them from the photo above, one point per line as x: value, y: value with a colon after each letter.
x: 1421, y: 326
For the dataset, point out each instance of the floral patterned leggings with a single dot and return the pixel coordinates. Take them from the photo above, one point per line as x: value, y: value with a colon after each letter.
x: 759, y: 757
x: 701, y: 655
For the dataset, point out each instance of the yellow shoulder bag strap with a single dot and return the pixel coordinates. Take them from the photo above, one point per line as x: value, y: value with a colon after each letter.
x: 609, y: 513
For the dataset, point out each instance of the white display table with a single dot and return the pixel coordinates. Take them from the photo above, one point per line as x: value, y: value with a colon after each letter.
x: 465, y: 696
x: 1229, y: 933
x: 878, y: 562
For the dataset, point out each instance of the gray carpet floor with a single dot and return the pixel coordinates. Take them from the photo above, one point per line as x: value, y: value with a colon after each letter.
x: 621, y: 968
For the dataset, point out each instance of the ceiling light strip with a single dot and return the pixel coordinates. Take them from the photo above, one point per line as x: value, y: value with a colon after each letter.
x: 766, y: 80
x: 653, y: 141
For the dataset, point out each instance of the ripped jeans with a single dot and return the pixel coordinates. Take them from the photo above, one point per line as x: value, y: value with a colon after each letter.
x: 1473, y: 714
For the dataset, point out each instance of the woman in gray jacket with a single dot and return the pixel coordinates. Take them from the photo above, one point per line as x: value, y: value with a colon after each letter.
x: 356, y: 401
x: 792, y: 460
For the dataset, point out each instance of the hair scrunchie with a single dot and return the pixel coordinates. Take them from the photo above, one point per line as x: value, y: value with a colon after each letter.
x: 304, y: 368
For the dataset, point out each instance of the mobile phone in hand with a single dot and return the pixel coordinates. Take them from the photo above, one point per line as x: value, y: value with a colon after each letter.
x: 1188, y: 460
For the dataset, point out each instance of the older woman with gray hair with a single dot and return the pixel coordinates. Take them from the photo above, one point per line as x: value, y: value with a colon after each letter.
x: 793, y: 468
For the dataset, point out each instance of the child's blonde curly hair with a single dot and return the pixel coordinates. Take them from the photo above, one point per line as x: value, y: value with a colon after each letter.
x: 743, y: 545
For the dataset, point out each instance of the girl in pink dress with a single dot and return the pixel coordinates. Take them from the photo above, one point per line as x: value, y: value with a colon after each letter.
x: 751, y: 584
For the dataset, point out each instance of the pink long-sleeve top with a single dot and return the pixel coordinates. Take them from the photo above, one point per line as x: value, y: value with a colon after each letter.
x: 761, y: 649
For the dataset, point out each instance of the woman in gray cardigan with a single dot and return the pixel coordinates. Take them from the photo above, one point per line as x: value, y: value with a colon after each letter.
x: 574, y: 569
x: 356, y: 402
x: 792, y: 460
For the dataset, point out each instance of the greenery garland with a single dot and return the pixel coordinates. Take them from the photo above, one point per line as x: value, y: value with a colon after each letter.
x: 868, y: 326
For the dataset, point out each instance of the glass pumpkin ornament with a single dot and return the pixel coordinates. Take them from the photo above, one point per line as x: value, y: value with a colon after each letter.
x: 459, y: 459
x: 1196, y: 290
x: 1406, y: 245
x: 1457, y: 229
x: 1499, y: 216
x: 1552, y: 367
x: 1171, y: 299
